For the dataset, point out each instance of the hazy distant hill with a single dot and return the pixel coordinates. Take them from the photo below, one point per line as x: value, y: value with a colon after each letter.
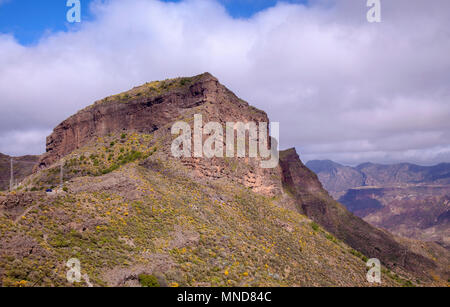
x: 407, y: 199
x: 337, y: 178
x: 22, y: 166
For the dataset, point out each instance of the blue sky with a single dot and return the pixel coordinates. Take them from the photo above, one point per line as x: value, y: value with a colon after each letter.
x: 29, y: 20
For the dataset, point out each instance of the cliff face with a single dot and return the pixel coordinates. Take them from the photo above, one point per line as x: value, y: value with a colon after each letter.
x: 143, y: 109
x: 153, y: 108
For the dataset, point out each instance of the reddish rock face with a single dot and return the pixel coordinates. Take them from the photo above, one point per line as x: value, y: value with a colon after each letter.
x: 153, y: 108
x: 146, y: 109
x: 141, y: 109
x: 297, y: 176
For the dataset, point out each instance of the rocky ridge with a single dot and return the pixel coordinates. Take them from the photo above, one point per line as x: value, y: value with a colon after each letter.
x: 129, y: 208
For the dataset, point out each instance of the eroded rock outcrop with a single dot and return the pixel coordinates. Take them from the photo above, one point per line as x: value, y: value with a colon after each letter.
x: 153, y: 108
x: 143, y: 109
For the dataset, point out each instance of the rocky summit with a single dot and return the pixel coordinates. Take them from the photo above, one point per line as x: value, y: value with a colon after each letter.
x: 132, y: 214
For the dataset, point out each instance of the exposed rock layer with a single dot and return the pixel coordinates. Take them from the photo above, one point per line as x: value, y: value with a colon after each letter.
x: 154, y: 107
x: 144, y: 109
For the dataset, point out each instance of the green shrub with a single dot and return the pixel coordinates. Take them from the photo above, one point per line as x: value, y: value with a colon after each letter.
x: 359, y: 255
x: 59, y: 242
x: 148, y: 281
x: 331, y: 238
x: 184, y: 81
x: 314, y: 226
x: 356, y: 253
x: 110, y: 169
x: 408, y: 284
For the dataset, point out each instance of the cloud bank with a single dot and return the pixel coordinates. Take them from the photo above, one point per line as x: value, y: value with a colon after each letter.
x: 341, y: 88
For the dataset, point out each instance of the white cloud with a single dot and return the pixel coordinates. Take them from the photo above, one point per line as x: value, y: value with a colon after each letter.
x: 342, y: 88
x: 18, y: 142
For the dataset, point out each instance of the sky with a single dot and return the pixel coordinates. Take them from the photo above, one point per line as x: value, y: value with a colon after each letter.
x: 30, y: 20
x: 342, y: 88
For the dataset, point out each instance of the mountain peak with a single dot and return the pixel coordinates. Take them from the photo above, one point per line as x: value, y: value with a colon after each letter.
x: 147, y: 108
x: 289, y: 153
x: 207, y: 76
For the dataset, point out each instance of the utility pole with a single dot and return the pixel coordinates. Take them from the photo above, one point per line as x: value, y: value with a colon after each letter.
x: 62, y: 173
x: 11, y: 182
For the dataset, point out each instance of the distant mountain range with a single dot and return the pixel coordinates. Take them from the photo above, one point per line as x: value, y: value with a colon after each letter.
x: 337, y: 178
x: 407, y: 199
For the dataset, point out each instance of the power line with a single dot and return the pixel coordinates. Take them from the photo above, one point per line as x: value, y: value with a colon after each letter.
x: 11, y: 181
x: 12, y: 176
x: 26, y: 162
x: 62, y: 173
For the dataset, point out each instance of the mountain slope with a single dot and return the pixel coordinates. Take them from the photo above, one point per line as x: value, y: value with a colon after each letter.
x: 315, y: 202
x: 128, y: 207
x: 152, y: 216
x: 411, y: 211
